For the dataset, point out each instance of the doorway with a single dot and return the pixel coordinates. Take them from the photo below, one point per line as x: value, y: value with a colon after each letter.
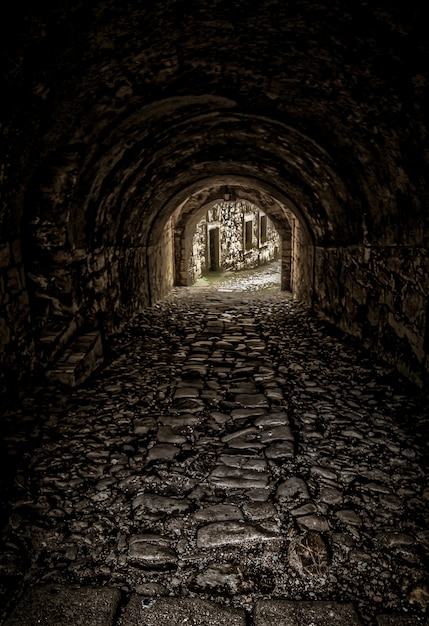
x: 213, y: 248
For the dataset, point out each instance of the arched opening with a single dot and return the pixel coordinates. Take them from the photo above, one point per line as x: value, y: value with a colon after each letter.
x: 232, y: 236
x: 295, y: 242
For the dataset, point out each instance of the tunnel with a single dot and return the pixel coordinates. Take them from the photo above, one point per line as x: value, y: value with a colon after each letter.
x: 122, y: 122
x: 118, y: 123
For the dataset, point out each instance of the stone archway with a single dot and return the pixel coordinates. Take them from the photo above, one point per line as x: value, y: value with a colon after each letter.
x: 177, y: 230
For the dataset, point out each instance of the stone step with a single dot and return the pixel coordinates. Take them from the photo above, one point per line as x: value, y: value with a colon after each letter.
x: 79, y: 360
x: 54, y: 337
x: 57, y: 605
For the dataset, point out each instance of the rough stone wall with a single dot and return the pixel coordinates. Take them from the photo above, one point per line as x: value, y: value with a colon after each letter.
x: 161, y: 265
x: 198, y: 258
x: 16, y: 342
x: 302, y: 262
x: 230, y: 217
x: 379, y: 295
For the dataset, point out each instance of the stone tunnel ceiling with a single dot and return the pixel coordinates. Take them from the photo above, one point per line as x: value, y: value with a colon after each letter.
x: 119, y: 114
x: 148, y: 98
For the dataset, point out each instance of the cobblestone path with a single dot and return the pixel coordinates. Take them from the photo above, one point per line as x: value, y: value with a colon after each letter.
x: 233, y: 450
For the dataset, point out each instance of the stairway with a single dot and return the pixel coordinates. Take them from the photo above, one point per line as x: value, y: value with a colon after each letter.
x: 67, y: 354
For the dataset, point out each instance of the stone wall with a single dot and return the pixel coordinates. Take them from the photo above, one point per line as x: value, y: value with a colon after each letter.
x: 16, y: 343
x: 302, y: 264
x: 161, y: 265
x: 379, y: 295
x: 230, y: 218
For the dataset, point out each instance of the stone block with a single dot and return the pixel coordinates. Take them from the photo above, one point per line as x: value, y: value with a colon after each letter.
x: 54, y: 605
x: 317, y: 613
x: 179, y: 611
x: 54, y: 337
x: 79, y: 361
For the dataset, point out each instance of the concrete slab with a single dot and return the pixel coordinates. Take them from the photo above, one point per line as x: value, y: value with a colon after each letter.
x: 53, y: 605
x: 285, y: 613
x: 179, y: 611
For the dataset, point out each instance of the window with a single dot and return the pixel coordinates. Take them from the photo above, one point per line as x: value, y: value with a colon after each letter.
x: 262, y: 229
x: 248, y: 234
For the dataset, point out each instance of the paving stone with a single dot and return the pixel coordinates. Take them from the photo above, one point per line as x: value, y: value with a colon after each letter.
x: 401, y: 620
x: 152, y: 552
x: 349, y: 517
x: 395, y: 538
x: 306, y: 509
x: 293, y: 487
x: 221, y: 578
x: 250, y: 442
x: 164, y: 421
x: 259, y: 510
x: 324, y: 472
x: 232, y: 533
x: 317, y: 613
x: 253, y: 400
x: 248, y: 434
x: 330, y: 496
x: 166, y: 434
x: 179, y: 611
x: 280, y: 450
x: 154, y: 506
x: 314, y: 522
x: 56, y: 605
x: 234, y: 477
x: 218, y: 512
x: 272, y: 420
x: 243, y: 462
x: 163, y: 452
x: 278, y: 433
x: 245, y: 413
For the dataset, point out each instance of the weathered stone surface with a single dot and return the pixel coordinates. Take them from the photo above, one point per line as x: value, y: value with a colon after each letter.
x: 152, y: 552
x: 259, y: 510
x: 314, y: 522
x: 252, y: 400
x: 278, y: 433
x: 232, y: 533
x: 285, y: 613
x: 163, y: 451
x: 395, y: 538
x: 293, y: 487
x: 281, y: 450
x: 153, y: 506
x: 243, y: 461
x: 220, y: 578
x: 56, y: 605
x: 349, y: 517
x: 272, y: 420
x: 401, y: 620
x: 218, y: 512
x: 179, y: 611
x: 79, y: 360
x: 226, y: 476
